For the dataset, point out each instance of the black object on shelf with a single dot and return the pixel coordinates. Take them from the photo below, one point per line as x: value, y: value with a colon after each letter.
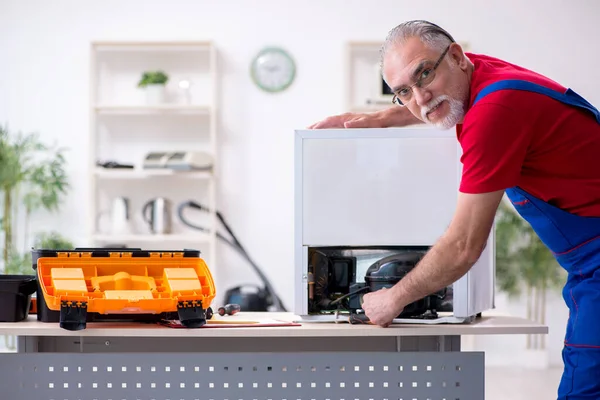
x: 15, y: 296
x: 114, y: 165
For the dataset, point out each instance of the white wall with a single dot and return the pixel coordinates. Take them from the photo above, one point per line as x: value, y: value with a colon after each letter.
x: 44, y: 84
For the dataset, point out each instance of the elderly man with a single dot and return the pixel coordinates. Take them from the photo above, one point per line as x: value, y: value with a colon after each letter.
x: 521, y: 134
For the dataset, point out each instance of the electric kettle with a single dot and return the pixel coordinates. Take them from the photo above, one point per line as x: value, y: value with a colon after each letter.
x: 157, y: 214
x: 120, y: 216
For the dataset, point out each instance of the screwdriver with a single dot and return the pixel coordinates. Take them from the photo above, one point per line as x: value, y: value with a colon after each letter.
x: 359, y: 319
x: 229, y: 309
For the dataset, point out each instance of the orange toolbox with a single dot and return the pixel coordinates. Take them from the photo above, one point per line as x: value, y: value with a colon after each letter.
x: 86, y: 282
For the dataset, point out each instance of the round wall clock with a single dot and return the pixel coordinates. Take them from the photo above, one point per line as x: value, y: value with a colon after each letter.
x: 273, y: 69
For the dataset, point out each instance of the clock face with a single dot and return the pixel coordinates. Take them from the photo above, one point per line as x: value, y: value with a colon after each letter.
x: 273, y: 70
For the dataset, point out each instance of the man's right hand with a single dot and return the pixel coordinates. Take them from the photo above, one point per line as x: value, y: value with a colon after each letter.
x: 351, y: 120
x: 395, y: 116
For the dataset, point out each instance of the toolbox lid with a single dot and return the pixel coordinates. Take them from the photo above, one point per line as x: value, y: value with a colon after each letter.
x: 108, y: 252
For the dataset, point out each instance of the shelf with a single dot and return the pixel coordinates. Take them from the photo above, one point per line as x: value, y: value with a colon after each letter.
x: 150, y: 238
x: 126, y: 126
x: 160, y: 109
x: 117, y: 173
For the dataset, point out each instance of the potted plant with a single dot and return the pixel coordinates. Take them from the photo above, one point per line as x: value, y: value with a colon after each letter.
x: 524, y: 265
x: 153, y: 82
x: 32, y: 177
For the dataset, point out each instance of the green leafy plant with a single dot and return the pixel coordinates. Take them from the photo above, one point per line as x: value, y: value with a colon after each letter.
x: 21, y: 264
x: 18, y: 264
x: 52, y: 241
x: 153, y: 78
x: 33, y: 176
x: 525, y: 264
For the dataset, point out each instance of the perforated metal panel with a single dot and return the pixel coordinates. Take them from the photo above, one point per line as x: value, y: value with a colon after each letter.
x: 242, y: 376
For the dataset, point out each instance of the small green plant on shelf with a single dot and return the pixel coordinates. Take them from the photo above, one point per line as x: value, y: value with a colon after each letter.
x: 153, y: 78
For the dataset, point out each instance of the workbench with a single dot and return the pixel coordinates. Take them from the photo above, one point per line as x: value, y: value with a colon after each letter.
x: 124, y: 360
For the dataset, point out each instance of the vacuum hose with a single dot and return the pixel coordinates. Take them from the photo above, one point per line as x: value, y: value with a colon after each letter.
x: 235, y: 244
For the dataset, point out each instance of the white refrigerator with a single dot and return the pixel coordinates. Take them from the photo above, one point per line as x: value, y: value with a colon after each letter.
x: 357, y: 188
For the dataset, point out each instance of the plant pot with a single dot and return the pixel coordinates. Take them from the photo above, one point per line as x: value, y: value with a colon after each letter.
x: 155, y: 94
x: 15, y: 296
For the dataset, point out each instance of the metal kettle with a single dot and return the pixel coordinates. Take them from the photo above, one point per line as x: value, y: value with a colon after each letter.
x: 157, y: 214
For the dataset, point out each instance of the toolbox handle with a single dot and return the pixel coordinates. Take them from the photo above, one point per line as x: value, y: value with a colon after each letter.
x: 122, y: 249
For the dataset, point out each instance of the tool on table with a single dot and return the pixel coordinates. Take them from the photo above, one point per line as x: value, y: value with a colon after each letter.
x: 359, y: 319
x: 229, y: 309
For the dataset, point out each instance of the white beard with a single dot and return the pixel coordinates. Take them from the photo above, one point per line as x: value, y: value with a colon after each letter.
x: 456, y: 114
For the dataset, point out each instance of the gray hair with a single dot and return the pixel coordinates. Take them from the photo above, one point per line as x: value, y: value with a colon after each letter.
x: 430, y: 34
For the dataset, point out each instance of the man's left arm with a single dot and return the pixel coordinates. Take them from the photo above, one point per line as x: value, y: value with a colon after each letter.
x: 447, y: 261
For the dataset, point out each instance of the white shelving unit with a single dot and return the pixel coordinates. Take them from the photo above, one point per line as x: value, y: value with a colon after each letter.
x: 124, y: 128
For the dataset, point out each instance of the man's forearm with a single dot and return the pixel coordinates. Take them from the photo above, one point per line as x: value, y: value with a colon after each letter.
x: 446, y: 262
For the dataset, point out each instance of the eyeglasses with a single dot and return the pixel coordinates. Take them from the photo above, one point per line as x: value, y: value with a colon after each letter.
x: 405, y: 95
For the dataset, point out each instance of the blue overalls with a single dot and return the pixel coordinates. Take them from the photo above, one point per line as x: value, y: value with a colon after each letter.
x: 575, y: 242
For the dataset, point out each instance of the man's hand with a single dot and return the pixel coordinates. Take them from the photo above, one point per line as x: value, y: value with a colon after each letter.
x: 381, y: 307
x: 394, y: 116
x: 350, y: 120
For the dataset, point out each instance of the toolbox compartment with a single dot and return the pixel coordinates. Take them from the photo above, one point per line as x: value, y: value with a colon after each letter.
x: 100, y: 284
x: 15, y: 296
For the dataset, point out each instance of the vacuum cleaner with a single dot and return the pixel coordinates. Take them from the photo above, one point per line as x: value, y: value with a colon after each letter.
x: 249, y: 297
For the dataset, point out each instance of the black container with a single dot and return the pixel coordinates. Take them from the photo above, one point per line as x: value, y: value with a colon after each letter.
x: 15, y: 296
x: 44, y: 314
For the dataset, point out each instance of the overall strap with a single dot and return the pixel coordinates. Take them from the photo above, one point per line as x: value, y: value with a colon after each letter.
x: 569, y: 97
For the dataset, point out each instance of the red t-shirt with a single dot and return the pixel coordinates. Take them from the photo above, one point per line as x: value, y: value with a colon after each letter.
x: 518, y: 138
